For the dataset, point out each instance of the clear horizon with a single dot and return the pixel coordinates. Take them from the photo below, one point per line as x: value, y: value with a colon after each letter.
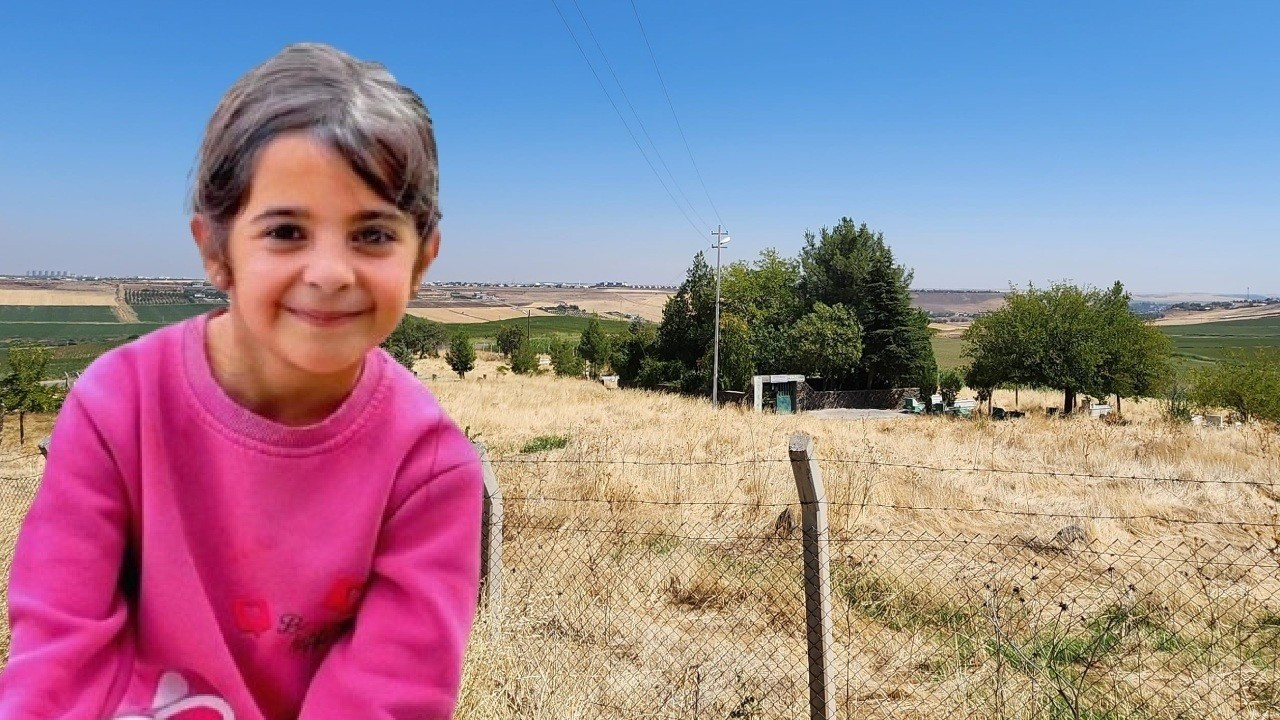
x: 994, y: 144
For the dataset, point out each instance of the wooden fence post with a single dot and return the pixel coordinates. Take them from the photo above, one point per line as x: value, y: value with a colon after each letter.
x: 817, y: 576
x: 490, y: 535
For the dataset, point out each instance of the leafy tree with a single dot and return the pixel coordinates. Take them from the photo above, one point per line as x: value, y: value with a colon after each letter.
x: 764, y: 294
x: 402, y: 355
x: 510, y: 338
x: 430, y: 339
x: 20, y: 388
x: 523, y: 359
x: 1246, y: 382
x: 688, y: 316
x: 827, y: 342
x: 737, y: 363
x: 632, y: 348
x: 851, y: 265
x: 1135, y: 360
x: 461, y: 355
x: 950, y: 383
x: 594, y: 346
x: 416, y: 335
x: 566, y: 360
x: 1068, y: 338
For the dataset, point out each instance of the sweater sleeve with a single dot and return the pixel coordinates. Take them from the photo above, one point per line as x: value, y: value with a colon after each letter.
x: 403, y: 658
x: 70, y: 651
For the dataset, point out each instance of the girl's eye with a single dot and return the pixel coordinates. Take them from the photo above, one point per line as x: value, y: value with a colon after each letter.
x: 375, y: 236
x: 285, y: 232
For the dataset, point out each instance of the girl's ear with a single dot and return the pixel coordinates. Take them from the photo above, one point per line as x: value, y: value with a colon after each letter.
x: 211, y: 256
x: 426, y: 255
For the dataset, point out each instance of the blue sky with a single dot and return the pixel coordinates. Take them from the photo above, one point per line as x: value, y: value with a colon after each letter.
x: 991, y: 142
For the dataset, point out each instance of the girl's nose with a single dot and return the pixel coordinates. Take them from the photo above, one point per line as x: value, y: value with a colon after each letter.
x: 328, y: 268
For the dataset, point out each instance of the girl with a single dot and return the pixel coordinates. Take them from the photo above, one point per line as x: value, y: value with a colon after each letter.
x: 256, y: 514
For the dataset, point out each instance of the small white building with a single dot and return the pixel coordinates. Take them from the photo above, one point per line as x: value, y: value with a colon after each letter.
x: 780, y: 392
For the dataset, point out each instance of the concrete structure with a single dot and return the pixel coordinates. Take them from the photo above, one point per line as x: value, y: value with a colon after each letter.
x: 788, y: 386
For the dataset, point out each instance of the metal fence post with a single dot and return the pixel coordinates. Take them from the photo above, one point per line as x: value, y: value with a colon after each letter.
x: 817, y: 576
x: 490, y: 535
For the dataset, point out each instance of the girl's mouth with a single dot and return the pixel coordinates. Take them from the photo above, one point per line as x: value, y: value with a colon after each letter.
x: 324, y: 318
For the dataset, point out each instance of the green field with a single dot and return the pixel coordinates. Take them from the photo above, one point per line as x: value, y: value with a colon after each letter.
x: 54, y: 333
x: 559, y: 325
x: 1193, y: 345
x: 57, y: 313
x: 947, y: 351
x: 172, y: 313
x: 76, y: 341
x: 1211, y: 342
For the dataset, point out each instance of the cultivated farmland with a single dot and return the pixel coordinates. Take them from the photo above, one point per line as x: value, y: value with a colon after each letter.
x: 1210, y: 342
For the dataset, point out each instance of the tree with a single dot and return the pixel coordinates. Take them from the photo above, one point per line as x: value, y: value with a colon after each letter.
x: 594, y: 346
x: 1246, y: 382
x: 461, y: 355
x: 764, y: 294
x: 950, y: 383
x: 687, y: 318
x: 510, y: 338
x: 523, y: 359
x: 632, y: 349
x: 402, y: 355
x: 566, y: 360
x: 827, y: 342
x: 852, y: 266
x: 431, y: 337
x: 1077, y: 340
x: 737, y: 363
x: 416, y: 335
x: 1135, y: 360
x: 21, y: 390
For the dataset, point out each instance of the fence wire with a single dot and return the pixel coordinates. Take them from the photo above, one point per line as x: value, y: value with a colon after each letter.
x: 660, y: 604
x: 640, y: 589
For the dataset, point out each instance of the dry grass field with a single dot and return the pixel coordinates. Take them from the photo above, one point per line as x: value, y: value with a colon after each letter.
x: 1190, y: 317
x: 472, y: 313
x: 19, y: 295
x: 649, y: 573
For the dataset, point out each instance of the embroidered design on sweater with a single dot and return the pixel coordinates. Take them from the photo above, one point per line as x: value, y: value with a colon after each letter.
x: 251, y: 616
x: 173, y: 701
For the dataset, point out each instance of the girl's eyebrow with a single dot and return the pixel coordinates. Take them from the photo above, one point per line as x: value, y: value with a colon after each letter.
x: 302, y: 214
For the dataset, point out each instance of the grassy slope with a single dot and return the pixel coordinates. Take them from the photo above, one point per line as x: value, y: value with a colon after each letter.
x: 556, y: 324
x: 56, y: 313
x: 172, y: 313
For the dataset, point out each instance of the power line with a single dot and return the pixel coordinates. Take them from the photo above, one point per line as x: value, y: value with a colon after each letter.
x: 636, y: 115
x: 624, y: 122
x: 672, y: 105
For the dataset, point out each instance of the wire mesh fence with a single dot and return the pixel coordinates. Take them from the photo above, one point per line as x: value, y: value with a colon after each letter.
x: 635, y: 588
x: 640, y: 604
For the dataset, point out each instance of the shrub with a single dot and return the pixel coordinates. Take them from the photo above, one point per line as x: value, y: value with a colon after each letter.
x: 543, y: 443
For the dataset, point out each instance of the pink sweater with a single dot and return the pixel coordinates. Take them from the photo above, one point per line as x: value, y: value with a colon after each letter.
x: 186, y: 558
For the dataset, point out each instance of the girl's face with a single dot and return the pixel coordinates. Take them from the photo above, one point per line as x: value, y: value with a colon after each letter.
x: 318, y: 267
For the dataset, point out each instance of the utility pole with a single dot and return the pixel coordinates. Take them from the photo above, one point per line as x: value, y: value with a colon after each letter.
x: 722, y: 239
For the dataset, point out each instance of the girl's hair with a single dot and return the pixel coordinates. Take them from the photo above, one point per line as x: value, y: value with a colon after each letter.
x: 379, y: 126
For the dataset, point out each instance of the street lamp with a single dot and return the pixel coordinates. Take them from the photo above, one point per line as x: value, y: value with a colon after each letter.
x: 722, y: 239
